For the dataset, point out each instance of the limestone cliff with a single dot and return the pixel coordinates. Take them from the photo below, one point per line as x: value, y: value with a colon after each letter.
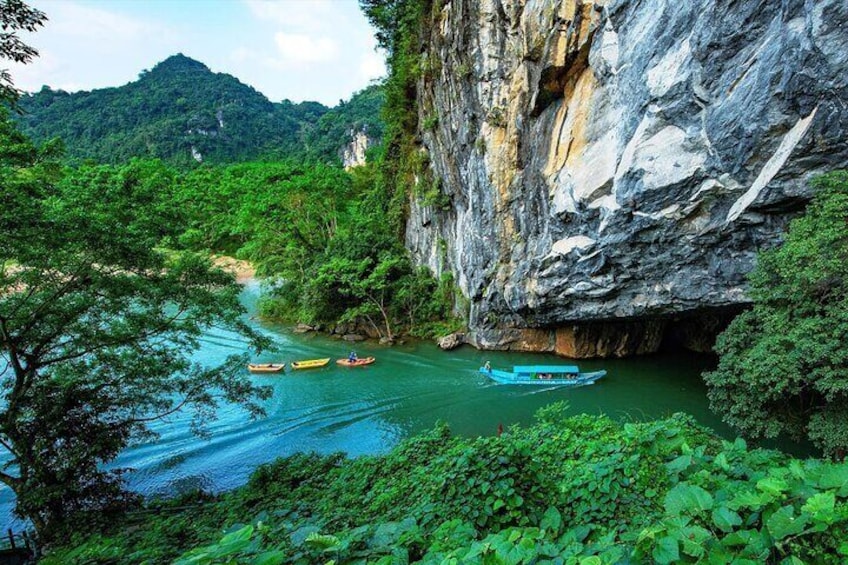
x: 612, y: 167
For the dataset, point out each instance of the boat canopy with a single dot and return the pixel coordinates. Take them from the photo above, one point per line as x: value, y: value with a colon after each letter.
x: 552, y: 369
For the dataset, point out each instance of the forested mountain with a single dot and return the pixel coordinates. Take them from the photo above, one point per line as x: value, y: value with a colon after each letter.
x: 361, y: 113
x: 182, y: 112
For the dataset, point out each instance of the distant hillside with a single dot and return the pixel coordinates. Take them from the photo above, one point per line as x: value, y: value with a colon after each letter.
x: 182, y: 112
x: 361, y: 113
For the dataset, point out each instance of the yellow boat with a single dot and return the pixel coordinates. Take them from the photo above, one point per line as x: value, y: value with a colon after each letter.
x: 310, y: 364
x: 265, y: 367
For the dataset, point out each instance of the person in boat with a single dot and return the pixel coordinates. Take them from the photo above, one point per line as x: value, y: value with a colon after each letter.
x: 488, y: 366
x: 352, y: 357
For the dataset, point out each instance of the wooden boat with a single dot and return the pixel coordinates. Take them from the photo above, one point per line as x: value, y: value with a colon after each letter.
x: 357, y: 363
x: 265, y: 367
x: 553, y: 375
x: 310, y: 364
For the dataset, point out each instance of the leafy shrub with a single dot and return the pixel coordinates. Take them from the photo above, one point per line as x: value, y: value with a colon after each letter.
x: 497, y: 117
x: 750, y: 505
x: 579, y: 489
x: 783, y: 363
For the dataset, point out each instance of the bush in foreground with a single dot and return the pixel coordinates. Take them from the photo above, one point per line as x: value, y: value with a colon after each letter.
x: 583, y: 490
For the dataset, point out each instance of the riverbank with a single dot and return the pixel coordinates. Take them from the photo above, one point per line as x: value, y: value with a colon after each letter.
x: 244, y: 271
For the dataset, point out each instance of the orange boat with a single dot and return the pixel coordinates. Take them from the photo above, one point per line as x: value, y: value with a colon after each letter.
x: 357, y: 363
x: 265, y: 367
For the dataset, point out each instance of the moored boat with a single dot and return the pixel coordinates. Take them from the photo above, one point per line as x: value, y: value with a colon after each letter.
x: 557, y: 375
x: 265, y: 367
x: 310, y: 363
x: 357, y: 363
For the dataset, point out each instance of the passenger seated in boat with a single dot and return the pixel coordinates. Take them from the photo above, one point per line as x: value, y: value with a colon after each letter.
x: 352, y: 357
x: 545, y: 376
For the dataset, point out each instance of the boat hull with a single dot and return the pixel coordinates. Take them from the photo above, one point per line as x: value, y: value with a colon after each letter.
x: 266, y: 368
x: 511, y: 378
x: 357, y: 363
x: 310, y: 364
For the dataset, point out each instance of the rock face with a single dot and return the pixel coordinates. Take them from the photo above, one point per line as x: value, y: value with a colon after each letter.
x: 451, y: 341
x: 353, y: 154
x: 613, y: 167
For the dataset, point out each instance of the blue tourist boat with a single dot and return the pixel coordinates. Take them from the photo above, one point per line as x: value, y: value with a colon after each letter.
x: 560, y: 375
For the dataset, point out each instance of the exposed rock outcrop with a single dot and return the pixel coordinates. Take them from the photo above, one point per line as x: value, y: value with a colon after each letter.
x: 353, y: 154
x: 613, y: 165
x: 451, y: 341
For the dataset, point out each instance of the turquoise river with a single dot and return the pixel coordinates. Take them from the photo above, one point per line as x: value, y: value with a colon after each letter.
x: 368, y: 410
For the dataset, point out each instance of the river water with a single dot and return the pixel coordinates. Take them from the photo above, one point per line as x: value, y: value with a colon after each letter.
x: 368, y: 410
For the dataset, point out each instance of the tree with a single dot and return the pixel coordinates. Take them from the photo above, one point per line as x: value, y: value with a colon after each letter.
x: 16, y: 16
x: 368, y: 287
x: 784, y: 364
x: 96, y: 324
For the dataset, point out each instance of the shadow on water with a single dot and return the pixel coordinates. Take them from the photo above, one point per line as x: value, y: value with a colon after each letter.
x: 369, y: 410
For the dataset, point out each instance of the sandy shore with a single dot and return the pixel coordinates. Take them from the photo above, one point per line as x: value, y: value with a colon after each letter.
x: 243, y: 270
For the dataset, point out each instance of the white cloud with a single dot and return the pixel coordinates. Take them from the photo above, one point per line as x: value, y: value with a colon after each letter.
x: 299, y: 48
x: 295, y: 14
x: 322, y: 48
x: 71, y: 19
x: 372, y: 65
x: 83, y: 47
x: 242, y: 54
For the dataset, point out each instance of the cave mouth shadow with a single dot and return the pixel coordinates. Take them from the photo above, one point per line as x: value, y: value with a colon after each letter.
x: 697, y: 331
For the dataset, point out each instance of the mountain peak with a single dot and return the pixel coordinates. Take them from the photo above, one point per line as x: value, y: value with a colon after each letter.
x: 179, y: 63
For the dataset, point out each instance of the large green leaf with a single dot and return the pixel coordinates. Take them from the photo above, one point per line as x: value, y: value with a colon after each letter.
x: 275, y: 557
x: 242, y: 534
x: 552, y: 521
x: 835, y: 476
x: 322, y: 541
x: 821, y: 506
x: 784, y: 523
x: 772, y: 485
x: 750, y: 499
x: 725, y: 519
x: 688, y: 499
x: 666, y: 551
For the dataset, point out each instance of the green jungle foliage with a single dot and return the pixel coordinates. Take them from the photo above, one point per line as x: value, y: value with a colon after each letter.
x: 574, y: 490
x: 399, y: 25
x: 784, y: 363
x: 96, y: 325
x: 16, y: 17
x: 361, y: 113
x: 324, y: 235
x: 321, y: 233
x: 181, y: 105
x: 402, y: 29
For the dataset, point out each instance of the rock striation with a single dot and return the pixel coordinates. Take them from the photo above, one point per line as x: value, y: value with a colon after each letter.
x: 612, y: 167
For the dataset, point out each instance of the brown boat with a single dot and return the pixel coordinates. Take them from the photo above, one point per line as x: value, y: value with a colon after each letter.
x: 357, y: 363
x: 265, y: 367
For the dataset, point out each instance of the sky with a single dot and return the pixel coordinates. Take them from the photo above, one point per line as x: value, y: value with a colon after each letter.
x: 321, y: 50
